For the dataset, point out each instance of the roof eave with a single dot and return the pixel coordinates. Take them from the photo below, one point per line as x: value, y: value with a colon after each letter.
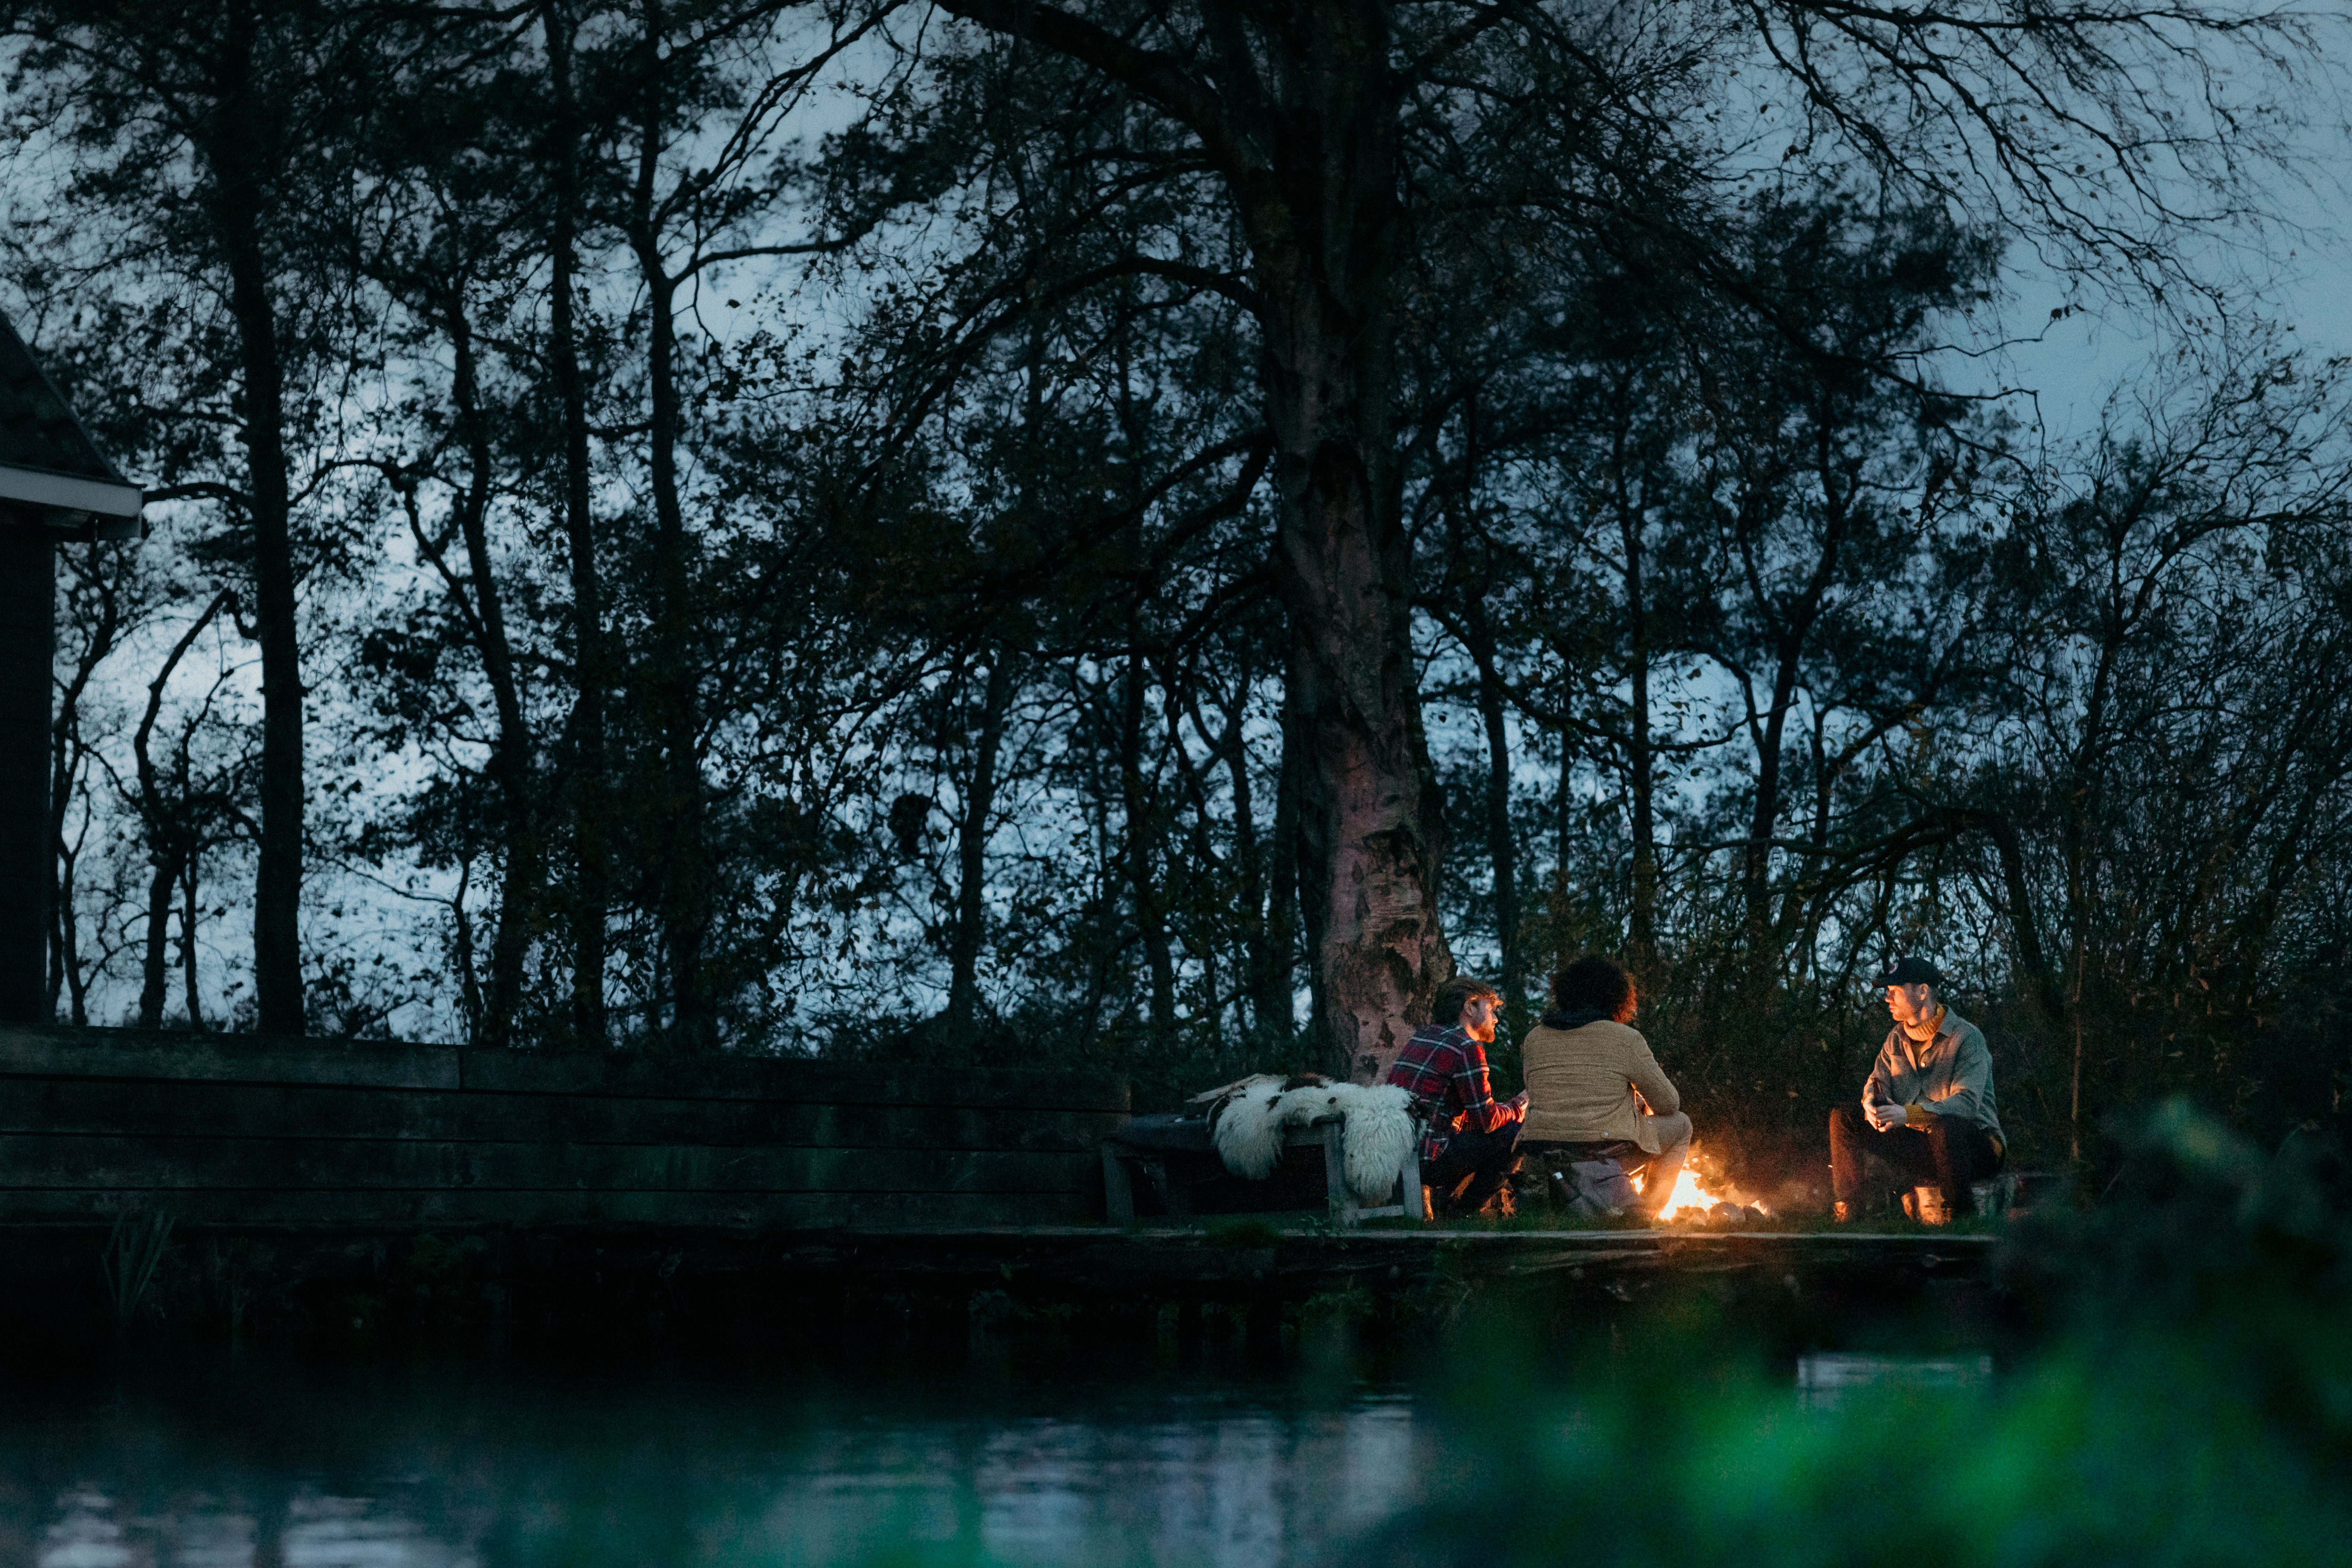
x: 110, y: 501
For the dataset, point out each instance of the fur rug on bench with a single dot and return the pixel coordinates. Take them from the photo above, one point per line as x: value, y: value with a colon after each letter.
x: 1247, y: 1119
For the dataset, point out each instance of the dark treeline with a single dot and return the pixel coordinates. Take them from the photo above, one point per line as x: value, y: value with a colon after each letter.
x: 1149, y: 535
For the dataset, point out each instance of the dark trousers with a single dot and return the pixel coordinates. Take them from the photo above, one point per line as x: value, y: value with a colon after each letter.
x: 1950, y: 1151
x: 1487, y: 1158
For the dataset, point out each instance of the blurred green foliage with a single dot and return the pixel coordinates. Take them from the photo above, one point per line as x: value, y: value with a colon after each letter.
x: 2184, y: 1395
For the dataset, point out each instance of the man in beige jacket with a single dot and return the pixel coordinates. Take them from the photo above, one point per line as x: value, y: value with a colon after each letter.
x: 1593, y: 1087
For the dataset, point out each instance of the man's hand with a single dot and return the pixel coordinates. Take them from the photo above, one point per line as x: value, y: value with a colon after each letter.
x: 1886, y: 1116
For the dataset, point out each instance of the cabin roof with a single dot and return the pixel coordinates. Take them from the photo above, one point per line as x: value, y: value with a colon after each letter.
x: 49, y: 467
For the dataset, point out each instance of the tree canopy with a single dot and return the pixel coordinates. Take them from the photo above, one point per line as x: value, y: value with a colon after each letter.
x: 1151, y: 534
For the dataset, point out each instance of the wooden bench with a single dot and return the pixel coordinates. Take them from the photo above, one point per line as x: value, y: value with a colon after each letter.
x: 1142, y: 1149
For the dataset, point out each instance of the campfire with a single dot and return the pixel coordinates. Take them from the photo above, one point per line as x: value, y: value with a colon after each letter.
x: 1694, y: 1201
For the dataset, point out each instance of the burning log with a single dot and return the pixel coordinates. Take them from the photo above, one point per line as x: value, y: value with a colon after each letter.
x: 1697, y: 1199
x: 1600, y: 1187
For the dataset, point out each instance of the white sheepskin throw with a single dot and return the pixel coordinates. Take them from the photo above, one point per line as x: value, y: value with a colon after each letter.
x: 1379, y: 1124
x: 1306, y: 1102
x: 1246, y: 1126
x: 1380, y: 1129
x: 1212, y: 1098
x: 1246, y: 1118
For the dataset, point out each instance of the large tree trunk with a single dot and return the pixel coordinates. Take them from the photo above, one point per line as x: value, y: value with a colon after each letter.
x: 1640, y: 753
x: 162, y: 884
x: 1326, y: 228
x: 1756, y: 863
x: 67, y: 747
x: 511, y: 756
x: 238, y: 169
x: 1790, y: 626
x: 587, y: 786
x: 2080, y: 798
x: 1266, y: 937
x: 1305, y: 131
x: 971, y: 854
x: 2025, y: 926
x: 1501, y: 851
x: 171, y: 835
x: 685, y: 873
x: 685, y: 877
x: 1478, y: 635
x: 1141, y: 814
x: 189, y: 902
x: 1477, y: 632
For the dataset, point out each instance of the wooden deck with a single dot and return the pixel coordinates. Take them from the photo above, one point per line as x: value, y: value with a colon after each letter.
x: 1245, y: 1259
x: 541, y: 1186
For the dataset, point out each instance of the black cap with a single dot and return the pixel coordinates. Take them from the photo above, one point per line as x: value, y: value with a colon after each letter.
x: 1910, y: 972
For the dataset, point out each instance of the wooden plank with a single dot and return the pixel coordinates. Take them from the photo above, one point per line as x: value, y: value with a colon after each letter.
x: 1330, y: 1135
x: 260, y: 1110
x: 40, y: 1160
x: 787, y: 1080
x: 397, y: 1212
x: 1119, y: 1187
x: 1107, y: 1261
x: 44, y: 1050
x: 34, y: 1050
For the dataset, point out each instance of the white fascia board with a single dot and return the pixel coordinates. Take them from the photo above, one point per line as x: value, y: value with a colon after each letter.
x: 37, y: 486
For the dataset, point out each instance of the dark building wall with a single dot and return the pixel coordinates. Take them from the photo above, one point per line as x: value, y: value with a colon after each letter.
x: 27, y: 634
x: 237, y: 1133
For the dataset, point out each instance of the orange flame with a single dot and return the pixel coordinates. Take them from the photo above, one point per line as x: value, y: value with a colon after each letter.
x: 1692, y: 1199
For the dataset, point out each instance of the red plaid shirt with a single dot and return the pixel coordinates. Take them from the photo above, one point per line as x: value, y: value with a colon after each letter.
x: 1444, y: 1071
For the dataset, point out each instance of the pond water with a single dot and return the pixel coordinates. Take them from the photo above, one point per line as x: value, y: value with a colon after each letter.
x: 440, y: 1464
x: 384, y: 1467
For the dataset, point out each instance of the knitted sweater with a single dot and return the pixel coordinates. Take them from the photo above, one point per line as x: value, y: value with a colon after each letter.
x: 1580, y: 1084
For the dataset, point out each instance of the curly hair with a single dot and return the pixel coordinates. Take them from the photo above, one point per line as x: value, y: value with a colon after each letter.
x: 1594, y: 986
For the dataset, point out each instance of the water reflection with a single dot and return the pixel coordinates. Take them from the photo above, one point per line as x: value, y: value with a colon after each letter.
x: 441, y: 1466
x: 326, y: 1531
x: 1827, y: 1381
x: 376, y: 1473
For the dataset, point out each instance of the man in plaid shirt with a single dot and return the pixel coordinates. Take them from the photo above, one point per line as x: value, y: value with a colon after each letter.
x: 1444, y: 1067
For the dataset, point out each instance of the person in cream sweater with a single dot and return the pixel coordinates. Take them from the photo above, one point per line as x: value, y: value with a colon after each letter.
x: 1593, y: 1087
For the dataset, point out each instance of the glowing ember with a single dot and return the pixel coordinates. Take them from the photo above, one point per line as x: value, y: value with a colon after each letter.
x: 1693, y: 1199
x: 1688, y: 1194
